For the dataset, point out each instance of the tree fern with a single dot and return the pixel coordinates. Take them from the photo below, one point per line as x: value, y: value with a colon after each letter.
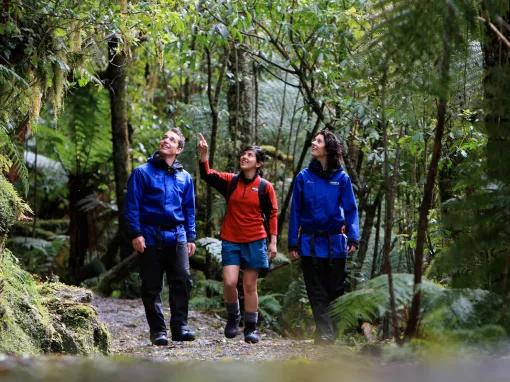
x: 444, y: 310
x: 10, y: 156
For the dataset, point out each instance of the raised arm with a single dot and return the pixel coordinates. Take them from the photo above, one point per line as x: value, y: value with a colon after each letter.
x: 218, y: 180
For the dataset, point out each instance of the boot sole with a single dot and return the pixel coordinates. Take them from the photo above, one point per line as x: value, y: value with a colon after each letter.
x: 160, y: 343
x: 231, y: 336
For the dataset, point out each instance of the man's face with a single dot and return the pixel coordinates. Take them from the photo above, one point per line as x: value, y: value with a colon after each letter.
x: 169, y: 144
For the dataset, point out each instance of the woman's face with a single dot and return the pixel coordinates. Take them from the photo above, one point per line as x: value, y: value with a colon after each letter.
x: 319, y: 147
x: 248, y: 161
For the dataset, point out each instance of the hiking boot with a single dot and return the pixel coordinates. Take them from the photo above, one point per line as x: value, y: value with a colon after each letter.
x: 159, y: 339
x: 324, y: 340
x: 232, y: 326
x: 182, y: 333
x: 251, y: 334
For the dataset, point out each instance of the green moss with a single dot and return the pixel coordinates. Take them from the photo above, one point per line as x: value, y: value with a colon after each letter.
x: 11, y: 206
x: 46, y: 317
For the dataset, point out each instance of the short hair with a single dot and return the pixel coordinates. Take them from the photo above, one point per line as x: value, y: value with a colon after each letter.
x: 333, y: 148
x: 182, y: 140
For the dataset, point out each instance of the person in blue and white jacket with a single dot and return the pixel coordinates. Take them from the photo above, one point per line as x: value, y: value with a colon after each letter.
x: 160, y: 214
x: 323, y: 229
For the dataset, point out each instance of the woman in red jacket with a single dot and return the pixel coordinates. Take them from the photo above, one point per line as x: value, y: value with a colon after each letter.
x: 243, y: 233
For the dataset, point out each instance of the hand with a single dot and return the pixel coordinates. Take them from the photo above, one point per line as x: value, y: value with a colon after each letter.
x: 352, y: 248
x: 294, y: 254
x: 272, y: 250
x: 138, y: 244
x: 191, y: 249
x: 203, y: 148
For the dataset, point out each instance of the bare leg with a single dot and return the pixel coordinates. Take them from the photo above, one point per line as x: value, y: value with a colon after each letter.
x: 230, y: 276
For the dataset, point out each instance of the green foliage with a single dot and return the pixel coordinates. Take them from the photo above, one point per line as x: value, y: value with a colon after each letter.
x: 270, y: 309
x: 40, y: 256
x: 296, y: 316
x: 446, y: 313
x: 81, y: 138
x: 207, y: 295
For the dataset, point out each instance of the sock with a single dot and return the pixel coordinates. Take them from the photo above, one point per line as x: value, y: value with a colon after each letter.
x: 251, y: 317
x: 233, y: 308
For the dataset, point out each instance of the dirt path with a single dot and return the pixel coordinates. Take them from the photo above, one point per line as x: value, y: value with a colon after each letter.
x: 128, y: 327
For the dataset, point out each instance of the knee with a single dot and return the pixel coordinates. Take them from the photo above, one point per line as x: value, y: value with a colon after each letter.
x: 150, y: 291
x: 230, y: 283
x: 250, y: 288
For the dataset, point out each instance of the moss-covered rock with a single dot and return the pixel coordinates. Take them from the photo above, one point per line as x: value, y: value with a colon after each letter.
x: 37, y: 317
x: 11, y: 208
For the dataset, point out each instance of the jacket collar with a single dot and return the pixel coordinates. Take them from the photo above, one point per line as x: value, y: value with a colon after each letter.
x: 246, y: 180
x: 156, y: 160
x: 316, y: 167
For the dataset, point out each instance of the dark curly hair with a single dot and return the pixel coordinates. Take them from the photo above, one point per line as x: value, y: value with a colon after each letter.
x: 260, y: 156
x: 333, y: 148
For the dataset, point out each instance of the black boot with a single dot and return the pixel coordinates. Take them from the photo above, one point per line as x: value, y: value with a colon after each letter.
x: 159, y: 339
x: 182, y: 333
x: 232, y: 326
x: 251, y: 334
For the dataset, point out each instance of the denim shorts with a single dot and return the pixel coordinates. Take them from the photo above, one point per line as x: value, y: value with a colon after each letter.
x: 252, y: 255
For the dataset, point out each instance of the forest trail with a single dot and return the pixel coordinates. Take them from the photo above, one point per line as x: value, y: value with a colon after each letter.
x: 130, y: 336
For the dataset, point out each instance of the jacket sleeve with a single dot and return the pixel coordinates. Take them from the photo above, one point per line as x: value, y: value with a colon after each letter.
x: 348, y: 203
x: 294, y: 222
x: 188, y: 208
x: 218, y: 180
x: 132, y: 204
x: 273, y: 219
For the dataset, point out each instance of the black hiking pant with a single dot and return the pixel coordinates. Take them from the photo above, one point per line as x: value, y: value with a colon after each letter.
x: 324, y: 281
x: 154, y: 263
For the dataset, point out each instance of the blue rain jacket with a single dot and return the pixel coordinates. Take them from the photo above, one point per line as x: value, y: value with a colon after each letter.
x: 160, y: 203
x: 323, y: 202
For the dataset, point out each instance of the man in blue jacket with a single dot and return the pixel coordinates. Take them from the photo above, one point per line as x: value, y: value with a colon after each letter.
x: 160, y: 211
x: 323, y: 207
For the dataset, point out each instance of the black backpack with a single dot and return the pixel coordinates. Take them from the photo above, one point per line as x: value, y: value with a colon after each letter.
x: 264, y: 201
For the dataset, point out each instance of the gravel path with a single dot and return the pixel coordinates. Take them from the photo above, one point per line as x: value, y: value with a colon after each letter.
x: 130, y: 336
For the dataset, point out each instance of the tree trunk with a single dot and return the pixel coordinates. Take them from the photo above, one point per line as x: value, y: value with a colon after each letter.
x: 239, y: 103
x: 115, y: 80
x: 213, y: 97
x: 414, y: 314
x: 368, y: 225
x: 376, y: 242
x: 279, y: 132
x: 78, y: 225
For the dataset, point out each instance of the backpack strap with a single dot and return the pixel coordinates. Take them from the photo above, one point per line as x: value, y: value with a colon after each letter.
x: 265, y: 205
x: 232, y: 186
